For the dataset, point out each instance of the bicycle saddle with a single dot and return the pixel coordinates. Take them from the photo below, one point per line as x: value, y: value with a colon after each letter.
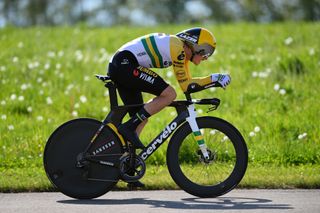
x: 103, y: 78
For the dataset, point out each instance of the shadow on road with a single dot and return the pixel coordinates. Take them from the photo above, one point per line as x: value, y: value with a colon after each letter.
x: 189, y: 203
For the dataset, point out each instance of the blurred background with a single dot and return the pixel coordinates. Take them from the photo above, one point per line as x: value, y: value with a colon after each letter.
x: 152, y: 12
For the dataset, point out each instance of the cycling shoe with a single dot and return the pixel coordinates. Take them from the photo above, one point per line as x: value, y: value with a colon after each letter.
x: 131, y: 136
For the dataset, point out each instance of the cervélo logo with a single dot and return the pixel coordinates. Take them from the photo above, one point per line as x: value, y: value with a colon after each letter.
x: 159, y: 140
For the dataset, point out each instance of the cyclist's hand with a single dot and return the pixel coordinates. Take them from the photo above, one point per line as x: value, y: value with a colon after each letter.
x: 223, y: 79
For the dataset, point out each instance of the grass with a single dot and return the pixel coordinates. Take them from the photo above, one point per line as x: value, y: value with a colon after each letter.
x: 46, y: 78
x: 157, y: 177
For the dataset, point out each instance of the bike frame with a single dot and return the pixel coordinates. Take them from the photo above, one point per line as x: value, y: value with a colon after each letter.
x: 185, y: 110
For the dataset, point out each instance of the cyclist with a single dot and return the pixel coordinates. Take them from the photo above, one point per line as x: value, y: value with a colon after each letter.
x: 129, y: 69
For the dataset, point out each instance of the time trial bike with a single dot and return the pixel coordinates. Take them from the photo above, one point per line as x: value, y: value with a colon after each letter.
x: 206, y: 156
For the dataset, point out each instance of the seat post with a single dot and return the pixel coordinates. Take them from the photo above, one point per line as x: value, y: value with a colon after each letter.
x: 112, y: 94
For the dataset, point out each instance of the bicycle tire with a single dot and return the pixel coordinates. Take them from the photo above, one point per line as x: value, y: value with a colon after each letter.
x: 60, y: 159
x: 183, y: 152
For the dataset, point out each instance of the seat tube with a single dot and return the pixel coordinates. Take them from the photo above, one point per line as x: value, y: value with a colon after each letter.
x: 196, y: 131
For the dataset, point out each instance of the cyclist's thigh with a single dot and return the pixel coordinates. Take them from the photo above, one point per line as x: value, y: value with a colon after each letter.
x: 130, y: 96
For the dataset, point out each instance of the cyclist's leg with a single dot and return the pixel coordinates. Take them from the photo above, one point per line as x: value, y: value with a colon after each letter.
x: 132, y: 97
x: 148, y: 81
x: 129, y: 76
x: 161, y: 101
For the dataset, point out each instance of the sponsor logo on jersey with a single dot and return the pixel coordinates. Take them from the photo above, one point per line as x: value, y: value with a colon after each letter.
x: 147, y: 78
x: 125, y: 61
x: 141, y: 54
x: 182, y: 80
x: 167, y: 63
x: 149, y: 72
x: 136, y: 73
x: 181, y: 73
x: 181, y: 56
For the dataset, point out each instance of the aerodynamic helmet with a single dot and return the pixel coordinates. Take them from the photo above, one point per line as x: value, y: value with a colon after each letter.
x: 200, y: 40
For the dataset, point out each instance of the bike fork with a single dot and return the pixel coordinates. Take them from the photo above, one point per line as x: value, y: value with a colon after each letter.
x: 196, y: 131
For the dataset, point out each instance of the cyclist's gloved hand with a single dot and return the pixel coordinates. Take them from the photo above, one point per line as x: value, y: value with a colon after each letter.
x: 223, y: 79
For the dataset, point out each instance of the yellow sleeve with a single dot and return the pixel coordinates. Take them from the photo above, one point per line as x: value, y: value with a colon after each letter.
x: 181, y: 66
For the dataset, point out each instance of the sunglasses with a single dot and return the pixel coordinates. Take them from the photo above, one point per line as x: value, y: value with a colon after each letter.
x: 203, y: 54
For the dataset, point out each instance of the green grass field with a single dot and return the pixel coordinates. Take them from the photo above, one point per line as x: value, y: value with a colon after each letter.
x: 47, y: 78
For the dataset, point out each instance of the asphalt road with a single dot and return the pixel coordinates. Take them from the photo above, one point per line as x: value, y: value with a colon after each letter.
x: 165, y: 201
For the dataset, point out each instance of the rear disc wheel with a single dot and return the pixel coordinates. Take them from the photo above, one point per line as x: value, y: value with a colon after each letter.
x: 61, y: 159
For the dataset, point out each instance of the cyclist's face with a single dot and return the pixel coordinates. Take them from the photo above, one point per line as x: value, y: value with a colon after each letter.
x: 197, y: 58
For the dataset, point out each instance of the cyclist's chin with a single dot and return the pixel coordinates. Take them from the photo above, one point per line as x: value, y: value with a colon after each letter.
x: 196, y: 62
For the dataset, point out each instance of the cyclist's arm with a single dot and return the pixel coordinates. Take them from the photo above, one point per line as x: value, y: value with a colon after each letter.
x: 181, y: 66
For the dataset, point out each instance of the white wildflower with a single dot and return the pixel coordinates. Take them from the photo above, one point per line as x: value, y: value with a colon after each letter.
x: 254, y: 74
x: 49, y: 100
x: 3, y: 117
x: 20, y: 44
x: 10, y: 127
x: 60, y: 53
x: 79, y: 55
x: 212, y: 89
x: 288, y: 41
x: 58, y: 66
x: 257, y: 129
x: 41, y: 92
x: 30, y: 66
x: 311, y: 51
x: 105, y: 109
x: 21, y: 98
x: 3, y: 68
x: 51, y: 54
x: 76, y: 105
x: 47, y: 66
x: 15, y: 59
x: 75, y: 114
x: 29, y: 109
x: 39, y: 118
x: 13, y: 97
x: 212, y: 132
x: 251, y: 134
x: 36, y: 64
x: 263, y: 74
x: 302, y: 136
x: 24, y: 87
x: 282, y: 91
x: 200, y: 111
x: 83, y: 99
x: 86, y: 78
x: 225, y: 138
x: 3, y: 102
x: 276, y: 87
x: 70, y: 86
x: 39, y: 80
x: 169, y: 74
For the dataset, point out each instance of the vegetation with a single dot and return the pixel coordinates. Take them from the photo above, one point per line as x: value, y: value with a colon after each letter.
x: 47, y: 78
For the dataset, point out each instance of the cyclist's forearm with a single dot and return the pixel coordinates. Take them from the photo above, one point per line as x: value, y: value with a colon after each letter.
x: 199, y: 81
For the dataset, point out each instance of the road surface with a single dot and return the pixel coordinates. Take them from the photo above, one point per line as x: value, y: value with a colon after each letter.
x: 165, y: 201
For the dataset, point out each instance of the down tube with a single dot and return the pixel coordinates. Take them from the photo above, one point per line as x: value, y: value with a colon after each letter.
x: 165, y: 134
